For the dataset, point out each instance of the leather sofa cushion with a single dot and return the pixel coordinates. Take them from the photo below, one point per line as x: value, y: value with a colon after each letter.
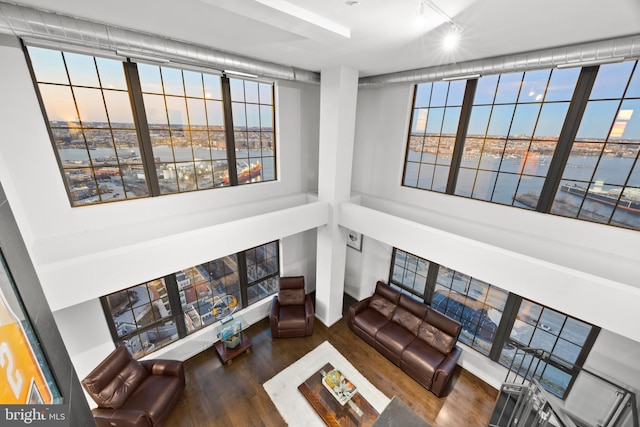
x: 117, y: 392
x: 386, y: 291
x: 394, y: 337
x: 292, y: 317
x: 436, y: 338
x: 423, y: 358
x: 155, y: 396
x: 416, y: 307
x: 407, y: 319
x: 382, y: 306
x: 446, y: 324
x: 370, y: 321
x: 291, y: 296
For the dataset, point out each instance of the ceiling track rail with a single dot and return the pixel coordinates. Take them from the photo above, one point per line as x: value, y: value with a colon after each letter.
x: 586, y: 54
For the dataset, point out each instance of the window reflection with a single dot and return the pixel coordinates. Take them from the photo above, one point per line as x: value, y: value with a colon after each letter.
x: 599, y: 182
x: 88, y: 105
x: 562, y: 336
x: 189, y: 145
x: 91, y: 121
x: 134, y: 312
x: 434, y: 124
x: 475, y: 304
x: 253, y: 130
x: 509, y: 144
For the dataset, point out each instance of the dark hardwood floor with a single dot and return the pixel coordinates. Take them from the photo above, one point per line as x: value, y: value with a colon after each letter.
x: 232, y: 395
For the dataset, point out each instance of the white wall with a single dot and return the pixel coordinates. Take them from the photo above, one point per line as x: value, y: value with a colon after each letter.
x: 583, y: 269
x: 83, y: 253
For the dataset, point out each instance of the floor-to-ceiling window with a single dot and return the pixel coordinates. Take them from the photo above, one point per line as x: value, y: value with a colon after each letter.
x: 151, y: 315
x: 496, y: 322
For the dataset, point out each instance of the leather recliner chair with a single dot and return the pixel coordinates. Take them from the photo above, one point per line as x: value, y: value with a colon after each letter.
x: 134, y: 393
x: 292, y: 312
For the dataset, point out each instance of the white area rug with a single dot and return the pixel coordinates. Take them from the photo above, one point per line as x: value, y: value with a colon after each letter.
x: 292, y: 405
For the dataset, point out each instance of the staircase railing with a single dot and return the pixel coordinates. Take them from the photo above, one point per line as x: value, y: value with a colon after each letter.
x: 592, y: 400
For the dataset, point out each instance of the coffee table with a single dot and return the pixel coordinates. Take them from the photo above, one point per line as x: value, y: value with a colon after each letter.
x: 330, y: 410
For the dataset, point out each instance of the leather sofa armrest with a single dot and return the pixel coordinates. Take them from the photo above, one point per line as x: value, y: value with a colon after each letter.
x: 310, y: 314
x: 443, y: 373
x: 107, y: 417
x: 166, y: 367
x: 356, y: 308
x: 308, y: 309
x: 274, y: 316
x: 275, y: 307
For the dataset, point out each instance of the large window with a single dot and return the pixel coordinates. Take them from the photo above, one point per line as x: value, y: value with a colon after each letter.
x: 186, y: 126
x: 495, y: 322
x: 561, y: 141
x: 151, y: 315
x: 142, y: 317
x: 601, y: 180
x: 477, y: 305
x: 436, y: 113
x: 515, y: 123
x: 409, y: 273
x: 562, y: 336
x: 123, y: 130
x: 87, y: 104
x: 252, y: 106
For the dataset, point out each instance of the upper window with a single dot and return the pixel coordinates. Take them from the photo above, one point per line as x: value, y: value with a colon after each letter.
x: 434, y: 124
x: 87, y: 104
x: 252, y: 106
x: 557, y: 141
x: 513, y: 132
x: 601, y: 180
x: 123, y: 130
x: 186, y: 126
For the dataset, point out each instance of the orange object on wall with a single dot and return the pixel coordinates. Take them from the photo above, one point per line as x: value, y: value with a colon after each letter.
x: 21, y: 379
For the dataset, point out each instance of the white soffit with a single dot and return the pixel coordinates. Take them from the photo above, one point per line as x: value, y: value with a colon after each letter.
x: 286, y: 16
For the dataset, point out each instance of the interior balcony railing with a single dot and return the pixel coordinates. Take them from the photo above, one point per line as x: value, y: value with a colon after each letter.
x: 590, y: 401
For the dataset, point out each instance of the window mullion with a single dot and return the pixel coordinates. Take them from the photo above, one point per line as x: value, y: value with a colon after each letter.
x: 509, y: 314
x: 142, y: 127
x: 242, y: 277
x: 177, y: 315
x: 230, y: 135
x: 461, y: 135
x: 110, y: 323
x: 567, y: 136
x: 432, y: 278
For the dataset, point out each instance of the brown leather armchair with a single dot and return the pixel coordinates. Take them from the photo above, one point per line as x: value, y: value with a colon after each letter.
x: 134, y: 393
x: 292, y: 312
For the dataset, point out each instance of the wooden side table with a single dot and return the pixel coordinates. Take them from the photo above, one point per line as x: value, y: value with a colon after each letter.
x: 228, y: 354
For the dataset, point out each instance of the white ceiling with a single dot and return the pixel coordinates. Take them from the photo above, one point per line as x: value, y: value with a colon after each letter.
x: 374, y: 37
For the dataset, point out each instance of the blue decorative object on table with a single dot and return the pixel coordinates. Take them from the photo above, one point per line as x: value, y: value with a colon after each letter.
x: 230, y: 334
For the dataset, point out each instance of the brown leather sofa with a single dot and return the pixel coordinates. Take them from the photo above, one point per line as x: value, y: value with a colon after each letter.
x: 420, y: 340
x: 292, y: 313
x: 134, y: 393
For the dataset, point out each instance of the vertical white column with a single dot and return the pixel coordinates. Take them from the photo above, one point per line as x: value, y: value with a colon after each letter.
x: 338, y: 96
